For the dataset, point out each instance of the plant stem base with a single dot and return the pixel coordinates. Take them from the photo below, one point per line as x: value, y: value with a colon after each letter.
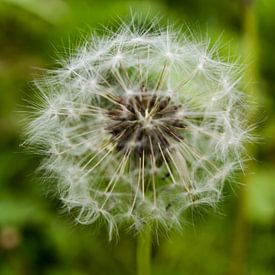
x: 144, y: 245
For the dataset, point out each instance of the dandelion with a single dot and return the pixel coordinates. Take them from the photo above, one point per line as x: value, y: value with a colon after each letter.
x: 139, y: 125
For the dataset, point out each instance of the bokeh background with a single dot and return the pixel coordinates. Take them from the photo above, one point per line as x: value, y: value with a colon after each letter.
x: 36, y: 238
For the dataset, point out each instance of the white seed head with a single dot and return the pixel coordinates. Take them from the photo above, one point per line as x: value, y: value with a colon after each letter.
x: 140, y: 125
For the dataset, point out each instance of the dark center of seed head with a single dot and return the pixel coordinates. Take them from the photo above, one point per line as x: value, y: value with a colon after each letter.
x: 144, y: 124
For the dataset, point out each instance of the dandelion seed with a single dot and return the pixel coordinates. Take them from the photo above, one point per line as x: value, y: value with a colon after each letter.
x: 140, y: 125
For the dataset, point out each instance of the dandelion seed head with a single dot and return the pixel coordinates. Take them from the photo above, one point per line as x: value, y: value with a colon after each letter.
x: 140, y: 125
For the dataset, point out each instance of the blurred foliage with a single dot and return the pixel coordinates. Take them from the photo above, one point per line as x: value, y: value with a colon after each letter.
x: 35, y: 238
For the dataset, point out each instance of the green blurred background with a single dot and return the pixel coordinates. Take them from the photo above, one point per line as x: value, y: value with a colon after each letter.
x: 36, y: 238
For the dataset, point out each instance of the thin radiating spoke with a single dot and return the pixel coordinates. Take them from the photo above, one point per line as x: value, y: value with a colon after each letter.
x: 138, y: 186
x: 167, y: 165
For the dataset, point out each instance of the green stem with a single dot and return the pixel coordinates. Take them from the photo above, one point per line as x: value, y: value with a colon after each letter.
x: 250, y: 48
x: 144, y: 245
